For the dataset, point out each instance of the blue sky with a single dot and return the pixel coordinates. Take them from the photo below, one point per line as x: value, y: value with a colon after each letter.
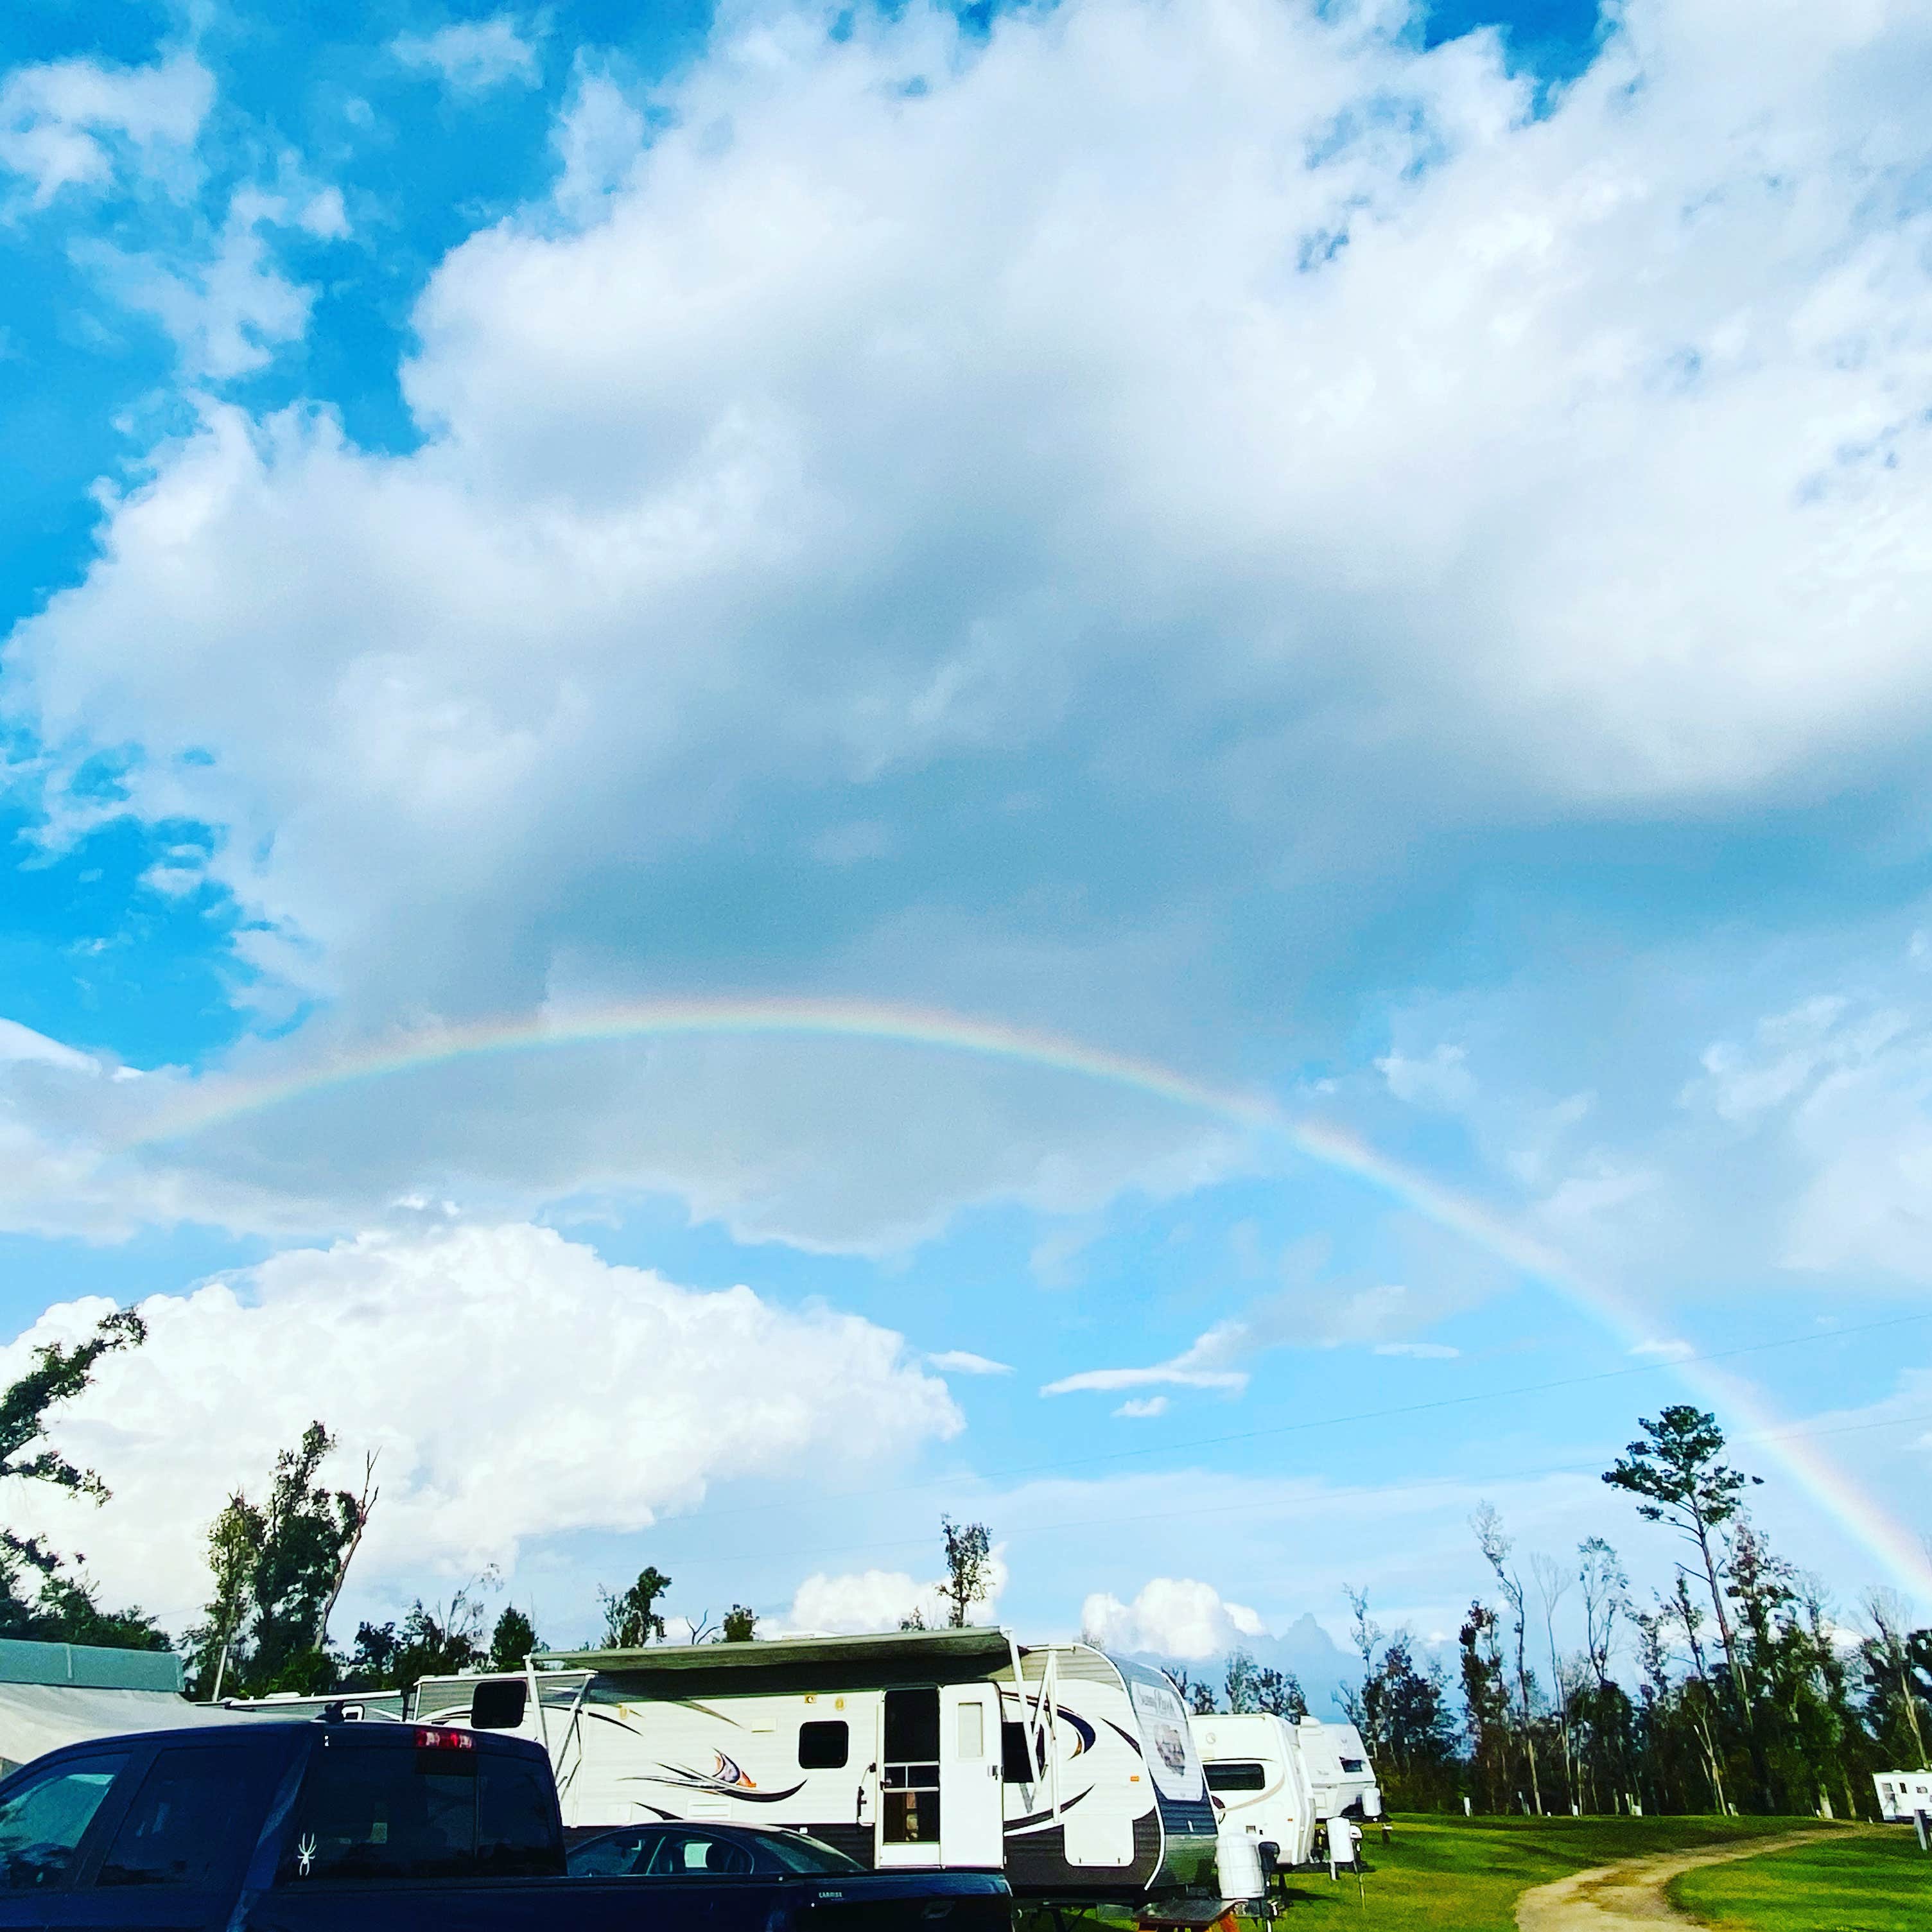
x: 1371, y: 558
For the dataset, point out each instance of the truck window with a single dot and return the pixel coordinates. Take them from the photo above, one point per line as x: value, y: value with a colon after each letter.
x: 1235, y: 1775
x: 427, y: 1813
x: 823, y: 1746
x: 43, y: 1821
x: 187, y: 1821
x: 516, y: 1836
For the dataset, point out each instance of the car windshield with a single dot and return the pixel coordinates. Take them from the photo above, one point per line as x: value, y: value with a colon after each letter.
x: 796, y: 1852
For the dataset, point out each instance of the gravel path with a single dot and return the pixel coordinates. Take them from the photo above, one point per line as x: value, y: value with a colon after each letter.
x: 1629, y: 1897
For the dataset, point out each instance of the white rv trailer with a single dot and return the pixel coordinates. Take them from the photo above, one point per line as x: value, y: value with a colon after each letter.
x: 1259, y: 1784
x: 1072, y: 1772
x: 1340, y: 1777
x: 1902, y: 1793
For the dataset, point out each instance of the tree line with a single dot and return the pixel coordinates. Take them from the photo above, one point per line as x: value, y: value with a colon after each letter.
x: 1742, y: 1687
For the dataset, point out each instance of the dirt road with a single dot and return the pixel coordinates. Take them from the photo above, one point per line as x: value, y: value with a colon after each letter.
x: 1629, y: 1897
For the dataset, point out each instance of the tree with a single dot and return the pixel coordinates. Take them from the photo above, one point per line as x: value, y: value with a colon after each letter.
x: 1887, y: 1654
x: 431, y: 1642
x: 62, y: 1609
x: 968, y: 1569
x: 278, y: 1569
x: 1552, y: 1584
x: 740, y: 1625
x: 1240, y: 1686
x: 513, y: 1641
x: 1278, y: 1694
x: 1674, y: 1468
x: 631, y: 1618
x: 1367, y: 1637
x: 1495, y: 1547
x: 1407, y: 1716
x: 1486, y: 1708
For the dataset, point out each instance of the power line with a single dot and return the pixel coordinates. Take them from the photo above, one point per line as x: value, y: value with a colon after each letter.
x: 1274, y: 1429
x: 1195, y: 1510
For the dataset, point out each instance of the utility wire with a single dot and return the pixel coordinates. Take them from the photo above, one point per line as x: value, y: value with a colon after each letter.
x: 1247, y: 1505
x: 1274, y: 1429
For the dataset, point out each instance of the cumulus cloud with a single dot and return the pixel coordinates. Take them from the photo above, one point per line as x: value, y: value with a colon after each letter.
x: 515, y: 1384
x: 64, y: 124
x: 472, y: 56
x: 1176, y: 1617
x: 889, y: 426
x: 1144, y: 1408
x: 881, y: 1599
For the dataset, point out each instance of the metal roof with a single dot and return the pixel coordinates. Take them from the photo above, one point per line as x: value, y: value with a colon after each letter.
x: 898, y: 1649
x: 88, y: 1667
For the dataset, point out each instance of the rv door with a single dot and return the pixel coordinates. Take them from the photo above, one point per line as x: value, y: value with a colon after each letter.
x: 972, y: 1798
x: 907, y: 1831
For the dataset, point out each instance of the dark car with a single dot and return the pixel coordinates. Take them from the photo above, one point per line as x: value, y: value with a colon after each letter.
x: 795, y: 1878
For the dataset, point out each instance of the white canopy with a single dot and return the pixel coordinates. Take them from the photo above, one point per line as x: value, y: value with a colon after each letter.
x: 37, y: 1717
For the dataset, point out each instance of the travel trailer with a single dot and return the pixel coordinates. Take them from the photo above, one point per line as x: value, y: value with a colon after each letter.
x: 1902, y: 1793
x: 1072, y: 1772
x: 1340, y: 1777
x: 1259, y: 1786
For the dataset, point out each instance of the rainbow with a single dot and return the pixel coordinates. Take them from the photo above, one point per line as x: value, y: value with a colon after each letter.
x: 218, y: 1101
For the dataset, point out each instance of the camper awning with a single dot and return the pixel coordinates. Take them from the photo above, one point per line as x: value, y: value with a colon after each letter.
x: 37, y: 1717
x: 898, y: 1652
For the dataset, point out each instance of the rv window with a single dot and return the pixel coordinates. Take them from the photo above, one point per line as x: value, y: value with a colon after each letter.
x: 822, y: 1747
x: 1354, y: 1766
x: 1236, y: 1776
x: 972, y: 1733
x: 1013, y: 1766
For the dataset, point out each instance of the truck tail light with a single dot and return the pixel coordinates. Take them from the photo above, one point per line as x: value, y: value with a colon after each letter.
x: 435, y: 1739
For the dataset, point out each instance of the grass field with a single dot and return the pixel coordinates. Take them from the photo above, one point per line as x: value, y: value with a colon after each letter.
x: 1872, y: 1881
x: 1459, y: 1875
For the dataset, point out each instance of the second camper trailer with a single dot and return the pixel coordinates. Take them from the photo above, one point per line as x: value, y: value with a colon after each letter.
x: 1073, y: 1772
x: 1277, y: 1780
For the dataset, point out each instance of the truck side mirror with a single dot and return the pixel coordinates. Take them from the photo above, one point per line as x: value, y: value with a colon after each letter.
x: 499, y: 1704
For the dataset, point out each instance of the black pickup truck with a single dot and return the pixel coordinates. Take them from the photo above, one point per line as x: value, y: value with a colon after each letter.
x: 321, y: 1827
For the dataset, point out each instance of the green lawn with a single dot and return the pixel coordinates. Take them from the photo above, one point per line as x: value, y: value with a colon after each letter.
x: 1459, y: 1875
x: 1872, y: 1881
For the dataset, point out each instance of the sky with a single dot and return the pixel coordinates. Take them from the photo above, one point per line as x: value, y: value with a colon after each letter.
x: 1153, y: 772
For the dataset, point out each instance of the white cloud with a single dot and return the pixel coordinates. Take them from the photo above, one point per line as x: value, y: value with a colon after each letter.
x: 1164, y: 492
x: 964, y: 1362
x: 19, y: 1043
x: 515, y: 1384
x: 229, y: 313
x: 1421, y: 1352
x: 880, y: 1600
x: 1179, y: 1618
x: 63, y: 124
x: 599, y: 138
x: 1205, y: 1364
x: 1441, y: 1078
x: 473, y: 56
x: 1144, y: 1408
x: 1663, y: 1350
